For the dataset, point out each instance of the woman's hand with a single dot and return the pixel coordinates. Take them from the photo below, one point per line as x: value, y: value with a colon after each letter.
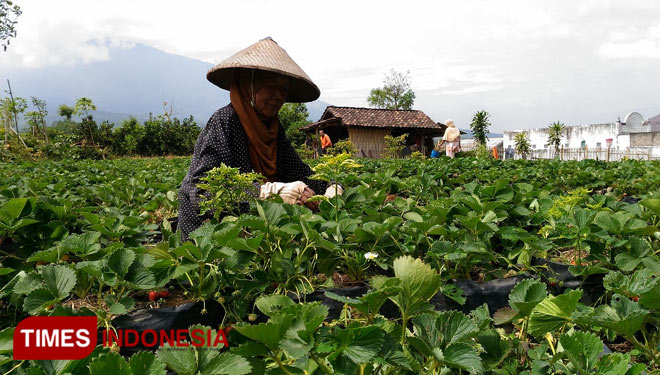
x: 307, y: 193
x: 291, y: 192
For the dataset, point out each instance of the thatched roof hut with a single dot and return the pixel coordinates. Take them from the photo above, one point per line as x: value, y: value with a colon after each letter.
x: 366, y: 128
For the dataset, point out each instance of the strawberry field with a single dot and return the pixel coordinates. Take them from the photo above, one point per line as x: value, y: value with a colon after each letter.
x: 421, y: 267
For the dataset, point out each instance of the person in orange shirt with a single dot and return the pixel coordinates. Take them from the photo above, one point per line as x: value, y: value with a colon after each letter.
x: 325, y: 142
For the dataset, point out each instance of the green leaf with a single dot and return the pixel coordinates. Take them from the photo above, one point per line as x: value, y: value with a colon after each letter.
x: 28, y: 283
x: 455, y: 326
x: 419, y: 282
x: 146, y: 363
x: 360, y: 345
x: 652, y: 204
x: 81, y: 244
x: 110, y: 363
x: 295, y: 344
x: 59, y: 280
x: 427, y: 335
x: 120, y: 261
x: 38, y: 300
x: 526, y: 295
x: 272, y: 304
x: 463, y: 356
x: 495, y: 349
x: 552, y: 312
x: 504, y: 315
x: 122, y: 306
x: 7, y: 340
x: 227, y: 364
x: 13, y: 208
x: 583, y: 217
x: 638, y: 250
x: 22, y: 223
x: 251, y: 349
x: 624, y: 316
x: 613, y: 364
x: 413, y: 216
x: 180, y: 360
x: 582, y: 349
x: 269, y: 333
x: 6, y: 271
x: 141, y: 279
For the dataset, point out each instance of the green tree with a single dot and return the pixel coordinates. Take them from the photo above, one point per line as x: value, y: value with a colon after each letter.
x: 9, y: 112
x: 65, y: 111
x: 293, y: 116
x: 128, y: 137
x: 395, y: 94
x: 82, y: 108
x: 522, y: 145
x: 555, y: 135
x: 9, y: 12
x: 37, y: 118
x: 479, y: 126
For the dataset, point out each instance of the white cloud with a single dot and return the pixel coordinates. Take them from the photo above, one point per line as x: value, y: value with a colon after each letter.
x: 639, y: 49
x: 533, y: 58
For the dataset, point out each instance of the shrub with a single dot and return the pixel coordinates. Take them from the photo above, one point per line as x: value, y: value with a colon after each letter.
x: 416, y: 155
x: 305, y: 151
x: 342, y: 147
x: 394, y: 146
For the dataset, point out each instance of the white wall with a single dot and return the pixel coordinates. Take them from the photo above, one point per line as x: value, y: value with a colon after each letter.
x: 594, y: 136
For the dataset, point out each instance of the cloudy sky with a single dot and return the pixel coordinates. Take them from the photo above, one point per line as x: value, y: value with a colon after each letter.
x: 527, y: 62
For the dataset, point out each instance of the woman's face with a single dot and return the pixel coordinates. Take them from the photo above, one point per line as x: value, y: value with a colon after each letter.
x: 270, y: 96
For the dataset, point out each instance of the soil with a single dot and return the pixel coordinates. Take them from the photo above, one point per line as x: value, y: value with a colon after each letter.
x: 623, y: 347
x: 570, y: 257
x: 344, y: 281
x: 176, y: 298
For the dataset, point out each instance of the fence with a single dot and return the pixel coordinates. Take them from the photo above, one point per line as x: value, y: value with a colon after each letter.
x: 596, y: 154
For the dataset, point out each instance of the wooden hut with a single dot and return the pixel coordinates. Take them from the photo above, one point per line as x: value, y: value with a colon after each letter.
x: 366, y: 128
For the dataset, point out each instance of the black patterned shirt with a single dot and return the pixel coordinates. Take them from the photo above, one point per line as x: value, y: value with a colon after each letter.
x: 223, y: 140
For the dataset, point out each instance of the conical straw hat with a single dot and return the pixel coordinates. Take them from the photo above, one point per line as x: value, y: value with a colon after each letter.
x: 266, y: 55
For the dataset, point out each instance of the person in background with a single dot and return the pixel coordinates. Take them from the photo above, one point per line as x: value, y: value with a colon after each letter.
x: 325, y: 142
x: 452, y: 137
x: 246, y: 134
x: 435, y: 153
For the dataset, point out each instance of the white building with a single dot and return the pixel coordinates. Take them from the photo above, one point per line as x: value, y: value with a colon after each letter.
x: 634, y: 138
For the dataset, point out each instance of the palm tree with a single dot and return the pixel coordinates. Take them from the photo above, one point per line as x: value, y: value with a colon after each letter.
x: 555, y: 135
x: 479, y: 126
x: 522, y: 145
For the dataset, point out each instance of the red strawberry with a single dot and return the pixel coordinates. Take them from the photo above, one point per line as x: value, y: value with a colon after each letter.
x: 153, y: 295
x: 164, y: 294
x: 228, y: 329
x: 635, y: 298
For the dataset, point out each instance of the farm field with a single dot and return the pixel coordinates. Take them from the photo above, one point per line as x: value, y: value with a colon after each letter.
x: 421, y: 267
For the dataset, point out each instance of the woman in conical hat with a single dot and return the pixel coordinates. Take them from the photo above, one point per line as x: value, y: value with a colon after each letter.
x: 452, y: 137
x: 246, y: 133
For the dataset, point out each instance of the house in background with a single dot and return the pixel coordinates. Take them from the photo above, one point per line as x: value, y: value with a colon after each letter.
x: 633, y: 138
x: 366, y: 128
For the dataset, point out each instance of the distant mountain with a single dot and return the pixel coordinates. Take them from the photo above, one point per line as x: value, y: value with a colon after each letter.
x: 132, y: 82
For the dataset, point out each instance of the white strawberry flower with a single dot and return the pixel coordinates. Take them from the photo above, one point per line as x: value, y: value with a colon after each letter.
x: 370, y: 256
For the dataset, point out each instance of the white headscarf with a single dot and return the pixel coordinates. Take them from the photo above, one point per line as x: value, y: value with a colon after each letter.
x: 451, y: 133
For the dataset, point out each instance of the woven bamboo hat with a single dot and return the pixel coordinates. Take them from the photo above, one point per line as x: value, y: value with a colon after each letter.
x: 266, y: 55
